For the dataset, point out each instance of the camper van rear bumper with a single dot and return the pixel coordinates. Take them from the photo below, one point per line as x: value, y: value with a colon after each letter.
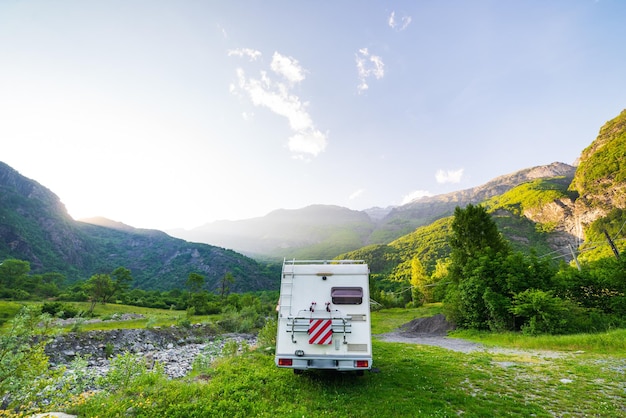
x: 324, y: 363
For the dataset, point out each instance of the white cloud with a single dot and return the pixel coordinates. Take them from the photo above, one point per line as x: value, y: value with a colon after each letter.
x: 245, y: 52
x: 356, y: 194
x: 392, y: 20
x: 287, y: 67
x: 450, y: 176
x: 309, y: 141
x: 368, y: 66
x: 274, y: 92
x: 405, y: 21
x: 414, y: 195
x: 276, y: 97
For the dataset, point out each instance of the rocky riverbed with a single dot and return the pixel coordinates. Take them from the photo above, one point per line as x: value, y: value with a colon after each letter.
x: 173, y: 347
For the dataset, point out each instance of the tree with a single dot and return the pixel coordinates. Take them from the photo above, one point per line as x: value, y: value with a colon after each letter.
x: 195, y: 282
x: 473, y: 233
x: 440, y: 279
x: 50, y: 284
x: 227, y: 280
x: 198, y: 299
x: 419, y: 279
x: 477, y: 297
x: 100, y: 288
x: 13, y: 272
x: 122, y: 278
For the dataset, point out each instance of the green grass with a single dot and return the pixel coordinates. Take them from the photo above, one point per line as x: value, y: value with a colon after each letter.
x: 610, y: 343
x: 413, y: 380
x: 154, y: 317
x: 409, y: 380
x: 8, y: 311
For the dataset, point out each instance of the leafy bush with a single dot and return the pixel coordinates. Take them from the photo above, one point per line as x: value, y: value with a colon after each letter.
x: 60, y: 310
x: 23, y: 362
x: 126, y: 369
x: 267, y: 335
x: 544, y: 312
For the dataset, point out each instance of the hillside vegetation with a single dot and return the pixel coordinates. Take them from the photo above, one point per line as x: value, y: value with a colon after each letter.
x: 602, y: 164
x: 35, y: 227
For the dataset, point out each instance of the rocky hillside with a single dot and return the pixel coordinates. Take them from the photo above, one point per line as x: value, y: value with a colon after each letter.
x: 597, y: 189
x: 35, y: 227
x: 425, y: 210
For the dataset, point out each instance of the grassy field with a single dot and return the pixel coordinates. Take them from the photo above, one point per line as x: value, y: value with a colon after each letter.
x: 413, y: 380
x: 151, y: 317
x: 583, y: 378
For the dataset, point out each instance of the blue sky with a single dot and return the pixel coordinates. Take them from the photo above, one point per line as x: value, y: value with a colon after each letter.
x: 167, y: 114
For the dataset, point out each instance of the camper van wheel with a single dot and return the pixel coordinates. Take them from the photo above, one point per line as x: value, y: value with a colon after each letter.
x: 360, y: 372
x: 298, y: 371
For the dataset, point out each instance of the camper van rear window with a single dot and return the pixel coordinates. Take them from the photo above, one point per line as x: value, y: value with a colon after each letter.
x: 347, y: 295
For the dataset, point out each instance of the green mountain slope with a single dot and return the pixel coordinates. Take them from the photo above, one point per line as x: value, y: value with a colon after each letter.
x: 603, y: 164
x: 35, y: 227
x: 552, y: 216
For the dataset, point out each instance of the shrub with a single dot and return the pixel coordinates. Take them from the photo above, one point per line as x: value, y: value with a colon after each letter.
x: 544, y: 312
x: 229, y: 320
x: 267, y: 335
x: 60, y: 310
x: 23, y: 362
x: 230, y: 348
x: 127, y: 369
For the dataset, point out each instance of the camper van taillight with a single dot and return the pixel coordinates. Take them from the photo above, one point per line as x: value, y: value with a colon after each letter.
x: 286, y: 362
x: 361, y: 363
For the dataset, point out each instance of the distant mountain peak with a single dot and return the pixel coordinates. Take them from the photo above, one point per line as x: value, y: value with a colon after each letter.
x: 498, y: 185
x: 106, y: 222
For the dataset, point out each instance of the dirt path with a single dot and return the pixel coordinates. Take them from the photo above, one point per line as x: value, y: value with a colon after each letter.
x: 433, y: 331
x: 454, y: 344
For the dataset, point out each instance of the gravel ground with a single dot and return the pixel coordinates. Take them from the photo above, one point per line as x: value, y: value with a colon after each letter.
x: 433, y: 331
x: 454, y: 344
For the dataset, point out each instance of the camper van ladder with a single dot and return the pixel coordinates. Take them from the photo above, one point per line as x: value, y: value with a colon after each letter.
x: 286, y: 292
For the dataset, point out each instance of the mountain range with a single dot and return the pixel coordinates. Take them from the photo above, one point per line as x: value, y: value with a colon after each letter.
x: 35, y: 227
x: 556, y: 208
x: 326, y: 231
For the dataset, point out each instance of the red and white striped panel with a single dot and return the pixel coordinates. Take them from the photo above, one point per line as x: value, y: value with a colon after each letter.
x: 320, y: 331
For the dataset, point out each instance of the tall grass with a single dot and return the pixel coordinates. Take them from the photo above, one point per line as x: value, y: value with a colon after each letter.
x: 7, y: 311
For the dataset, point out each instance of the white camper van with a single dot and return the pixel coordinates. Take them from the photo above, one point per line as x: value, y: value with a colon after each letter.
x: 324, y: 317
